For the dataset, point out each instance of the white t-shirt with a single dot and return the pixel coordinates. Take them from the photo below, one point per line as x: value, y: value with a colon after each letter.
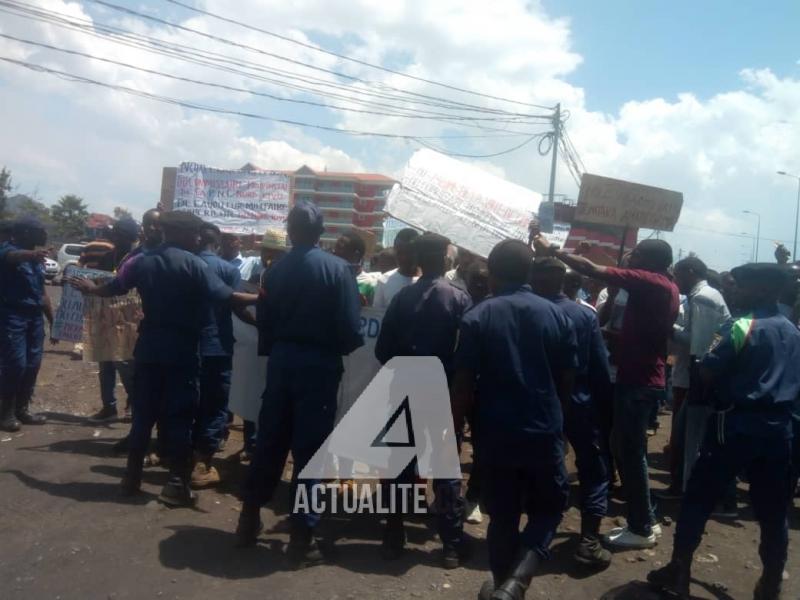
x: 388, y: 285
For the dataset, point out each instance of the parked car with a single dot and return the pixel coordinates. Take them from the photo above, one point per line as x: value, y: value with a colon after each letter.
x: 51, y: 269
x: 69, y: 254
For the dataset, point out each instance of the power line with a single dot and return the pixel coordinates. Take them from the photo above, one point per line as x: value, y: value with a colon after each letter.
x: 345, y: 57
x: 232, y: 88
x: 508, y: 151
x: 196, y: 106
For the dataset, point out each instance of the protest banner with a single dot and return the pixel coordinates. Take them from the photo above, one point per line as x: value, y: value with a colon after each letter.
x: 606, y: 201
x: 68, y: 319
x: 250, y: 370
x: 236, y: 201
x: 473, y: 208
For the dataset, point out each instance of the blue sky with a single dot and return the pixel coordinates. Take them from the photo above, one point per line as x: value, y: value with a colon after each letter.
x: 702, y: 97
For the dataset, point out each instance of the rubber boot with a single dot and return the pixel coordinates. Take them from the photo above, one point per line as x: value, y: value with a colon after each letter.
x: 204, y: 474
x: 8, y: 420
x: 177, y: 491
x: 394, y: 538
x: 769, y: 585
x: 673, y: 578
x: 132, y: 481
x: 590, y: 552
x: 26, y: 417
x: 514, y: 587
x: 250, y: 526
x: 303, y: 550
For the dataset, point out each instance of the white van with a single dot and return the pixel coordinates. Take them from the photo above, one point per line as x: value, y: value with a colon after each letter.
x: 69, y: 254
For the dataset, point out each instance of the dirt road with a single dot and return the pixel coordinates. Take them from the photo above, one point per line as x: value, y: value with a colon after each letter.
x: 66, y: 533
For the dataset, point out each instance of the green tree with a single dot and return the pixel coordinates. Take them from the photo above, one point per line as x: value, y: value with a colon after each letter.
x: 5, y: 187
x: 26, y: 205
x: 69, y: 216
x: 122, y: 213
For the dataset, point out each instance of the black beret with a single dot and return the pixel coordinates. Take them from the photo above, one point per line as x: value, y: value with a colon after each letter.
x: 761, y: 274
x: 180, y: 219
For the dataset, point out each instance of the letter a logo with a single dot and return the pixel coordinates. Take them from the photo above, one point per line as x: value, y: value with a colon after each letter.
x: 403, y: 414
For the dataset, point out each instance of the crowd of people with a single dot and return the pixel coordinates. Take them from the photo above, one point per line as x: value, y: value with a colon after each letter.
x: 540, y: 348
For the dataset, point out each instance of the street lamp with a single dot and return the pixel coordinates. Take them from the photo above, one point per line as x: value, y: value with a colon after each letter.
x: 752, y: 245
x: 796, y: 212
x: 758, y: 229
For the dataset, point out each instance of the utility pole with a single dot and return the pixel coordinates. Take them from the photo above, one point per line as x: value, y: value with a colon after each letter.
x: 556, y: 139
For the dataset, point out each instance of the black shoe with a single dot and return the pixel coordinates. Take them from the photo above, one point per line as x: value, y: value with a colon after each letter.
x: 249, y: 527
x: 26, y: 417
x: 303, y: 553
x: 592, y: 554
x: 514, y: 587
x: 450, y: 558
x: 177, y: 493
x: 10, y: 423
x: 487, y: 589
x: 104, y: 415
x: 726, y: 512
x: 674, y: 578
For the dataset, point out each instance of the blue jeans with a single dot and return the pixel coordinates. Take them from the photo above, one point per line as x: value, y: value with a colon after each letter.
x: 633, y: 406
x: 212, y: 413
x: 21, y: 347
x: 108, y: 381
x: 768, y: 464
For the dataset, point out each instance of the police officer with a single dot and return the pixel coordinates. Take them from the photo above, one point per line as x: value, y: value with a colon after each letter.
x: 23, y: 301
x: 310, y: 320
x: 423, y: 320
x: 581, y: 423
x: 521, y: 351
x: 216, y: 363
x: 175, y: 286
x: 754, y: 377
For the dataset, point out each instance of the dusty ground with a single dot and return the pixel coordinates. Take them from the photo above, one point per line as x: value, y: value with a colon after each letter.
x: 66, y: 534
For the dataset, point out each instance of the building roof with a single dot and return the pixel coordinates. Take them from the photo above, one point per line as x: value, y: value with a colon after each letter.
x: 99, y: 221
x: 306, y: 170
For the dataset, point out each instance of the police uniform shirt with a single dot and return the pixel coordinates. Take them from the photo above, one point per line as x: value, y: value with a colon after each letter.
x: 515, y: 342
x: 216, y: 338
x: 423, y: 320
x: 310, y: 301
x: 755, y: 368
x: 592, y: 355
x: 21, y: 284
x: 175, y: 287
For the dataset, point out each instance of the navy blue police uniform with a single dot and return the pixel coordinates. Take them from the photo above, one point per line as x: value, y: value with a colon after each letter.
x: 309, y: 319
x: 216, y: 361
x: 21, y: 329
x: 581, y: 423
x: 756, y: 382
x: 514, y: 342
x: 423, y: 320
x: 175, y: 287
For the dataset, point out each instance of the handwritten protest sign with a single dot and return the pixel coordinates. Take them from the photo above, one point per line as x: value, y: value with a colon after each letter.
x: 606, y: 201
x: 250, y: 370
x: 235, y: 201
x: 473, y: 208
x: 111, y: 327
x: 68, y: 320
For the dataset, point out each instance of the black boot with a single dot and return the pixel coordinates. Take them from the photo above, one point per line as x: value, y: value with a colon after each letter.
x: 177, y: 491
x: 674, y: 577
x: 26, y: 417
x: 303, y: 550
x: 132, y: 481
x: 487, y: 589
x: 250, y: 526
x: 514, y: 587
x: 8, y: 420
x: 590, y: 552
x: 769, y: 585
x: 394, y: 538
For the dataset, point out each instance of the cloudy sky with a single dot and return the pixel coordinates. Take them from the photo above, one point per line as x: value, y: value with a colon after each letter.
x: 703, y: 97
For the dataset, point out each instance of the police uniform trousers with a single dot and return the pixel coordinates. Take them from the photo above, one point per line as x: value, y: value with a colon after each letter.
x: 539, y: 488
x: 21, y: 347
x: 166, y: 394
x: 583, y: 432
x: 212, y: 412
x: 297, y: 413
x: 767, y: 461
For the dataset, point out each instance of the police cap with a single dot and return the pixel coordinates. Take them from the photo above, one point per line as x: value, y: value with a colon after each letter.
x: 306, y: 216
x: 181, y: 220
x: 761, y: 274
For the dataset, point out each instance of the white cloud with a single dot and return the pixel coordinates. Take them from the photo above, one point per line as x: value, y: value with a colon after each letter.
x: 721, y: 152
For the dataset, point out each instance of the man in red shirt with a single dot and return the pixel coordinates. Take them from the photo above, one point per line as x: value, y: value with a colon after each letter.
x: 641, y: 362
